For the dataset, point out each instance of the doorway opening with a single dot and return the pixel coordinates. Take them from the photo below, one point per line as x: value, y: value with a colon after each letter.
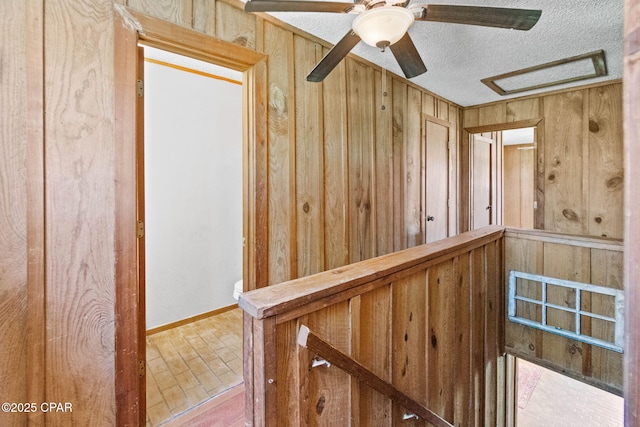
x: 502, y: 176
x: 518, y: 151
x: 547, y: 398
x: 485, y: 173
x: 193, y: 232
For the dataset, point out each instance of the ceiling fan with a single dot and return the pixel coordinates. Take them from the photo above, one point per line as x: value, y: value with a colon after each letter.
x: 384, y: 23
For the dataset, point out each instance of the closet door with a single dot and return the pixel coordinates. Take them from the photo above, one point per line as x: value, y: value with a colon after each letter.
x: 437, y: 180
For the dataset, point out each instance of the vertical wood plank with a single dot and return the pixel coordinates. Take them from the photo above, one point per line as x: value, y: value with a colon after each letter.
x: 289, y: 382
x: 361, y: 160
x: 567, y: 263
x: 526, y: 256
x: 443, y: 109
x: 399, y: 97
x: 478, y: 295
x: 409, y: 304
x: 563, y: 155
x: 384, y: 166
x: 462, y: 393
x: 492, y: 114
x: 79, y: 152
x: 358, y: 400
x: 540, y: 165
x: 281, y: 170
x: 373, y: 349
x: 440, y: 337
x: 204, y: 16
x: 234, y: 25
x: 248, y: 370
x: 605, y: 167
x: 167, y: 10
x: 328, y: 390
x: 35, y: 164
x: 309, y: 158
x: 522, y: 109
x: 606, y: 270
x: 491, y: 335
x: 265, y: 372
x: 413, y: 169
x: 19, y: 155
x: 471, y: 117
x: 336, y: 188
x: 429, y: 105
x: 454, y: 176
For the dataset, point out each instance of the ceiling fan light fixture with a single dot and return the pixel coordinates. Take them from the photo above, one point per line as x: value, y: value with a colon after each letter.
x: 383, y: 26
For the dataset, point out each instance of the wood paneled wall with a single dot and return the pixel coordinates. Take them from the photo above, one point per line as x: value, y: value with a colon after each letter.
x: 56, y: 222
x: 580, y: 173
x: 344, y: 157
x: 345, y: 178
x: 427, y: 319
x: 14, y: 223
x: 341, y: 174
x: 586, y: 260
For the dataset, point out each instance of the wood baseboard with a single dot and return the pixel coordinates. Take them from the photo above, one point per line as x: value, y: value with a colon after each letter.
x: 188, y: 320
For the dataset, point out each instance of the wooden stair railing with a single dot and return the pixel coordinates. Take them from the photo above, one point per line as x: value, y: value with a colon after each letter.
x: 400, y: 315
x: 325, y: 350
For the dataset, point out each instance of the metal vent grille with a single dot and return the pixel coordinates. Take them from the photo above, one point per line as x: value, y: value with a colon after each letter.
x: 573, y: 306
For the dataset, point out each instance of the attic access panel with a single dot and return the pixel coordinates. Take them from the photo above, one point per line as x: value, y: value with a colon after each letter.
x: 567, y: 70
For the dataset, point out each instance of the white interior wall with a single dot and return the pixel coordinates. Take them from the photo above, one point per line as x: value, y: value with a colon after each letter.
x: 193, y: 192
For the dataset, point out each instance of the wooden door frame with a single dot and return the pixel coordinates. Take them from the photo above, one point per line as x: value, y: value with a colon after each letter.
x: 631, y: 119
x: 131, y: 28
x: 466, y: 175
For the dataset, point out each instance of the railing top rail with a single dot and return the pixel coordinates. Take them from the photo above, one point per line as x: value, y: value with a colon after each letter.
x: 291, y: 295
x: 606, y: 243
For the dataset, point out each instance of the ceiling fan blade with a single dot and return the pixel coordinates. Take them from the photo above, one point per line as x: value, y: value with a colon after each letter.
x: 333, y: 57
x: 517, y: 19
x: 297, y: 6
x: 408, y: 57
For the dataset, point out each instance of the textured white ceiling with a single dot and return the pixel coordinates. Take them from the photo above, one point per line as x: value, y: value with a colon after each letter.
x: 459, y: 56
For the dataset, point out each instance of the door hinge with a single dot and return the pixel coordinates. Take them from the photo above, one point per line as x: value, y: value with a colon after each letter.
x: 140, y: 88
x: 140, y: 229
x: 141, y: 368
